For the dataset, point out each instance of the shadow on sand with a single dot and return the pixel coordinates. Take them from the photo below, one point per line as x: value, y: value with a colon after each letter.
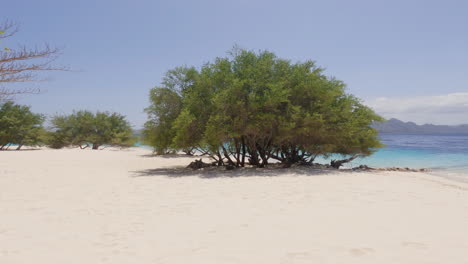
x: 220, y: 172
x: 169, y: 156
x: 20, y: 150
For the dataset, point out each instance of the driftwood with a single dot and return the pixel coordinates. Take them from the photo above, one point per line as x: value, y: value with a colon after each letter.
x: 367, y: 168
x: 363, y: 167
x: 338, y: 163
x: 198, y: 164
x: 403, y: 169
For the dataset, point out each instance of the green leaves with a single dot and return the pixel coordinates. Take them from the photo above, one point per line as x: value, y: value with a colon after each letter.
x: 256, y: 102
x: 18, y: 125
x: 166, y: 104
x: 85, y: 128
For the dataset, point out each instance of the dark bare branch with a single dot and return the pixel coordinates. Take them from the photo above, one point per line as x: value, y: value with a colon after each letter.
x: 23, y: 64
x: 8, y: 29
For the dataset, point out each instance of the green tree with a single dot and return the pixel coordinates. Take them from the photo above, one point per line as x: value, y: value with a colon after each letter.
x: 84, y: 129
x: 251, y: 108
x: 19, y: 126
x: 165, y: 107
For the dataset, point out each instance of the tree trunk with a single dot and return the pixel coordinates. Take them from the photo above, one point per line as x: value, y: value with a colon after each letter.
x: 253, y: 159
x: 230, y: 162
x: 19, y: 146
x: 237, y: 153
x: 263, y: 157
x: 243, y: 152
x: 220, y: 159
x: 95, y: 146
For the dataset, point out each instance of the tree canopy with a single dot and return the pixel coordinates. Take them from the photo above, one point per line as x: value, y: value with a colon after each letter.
x: 84, y: 128
x: 19, y: 126
x: 253, y: 107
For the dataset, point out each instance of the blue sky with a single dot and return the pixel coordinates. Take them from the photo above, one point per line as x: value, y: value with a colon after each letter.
x: 386, y: 51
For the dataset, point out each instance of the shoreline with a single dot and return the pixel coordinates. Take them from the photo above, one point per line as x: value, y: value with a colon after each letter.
x: 446, y: 173
x: 439, y: 172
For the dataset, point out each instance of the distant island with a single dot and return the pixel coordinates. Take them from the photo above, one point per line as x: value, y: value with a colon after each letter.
x: 397, y: 126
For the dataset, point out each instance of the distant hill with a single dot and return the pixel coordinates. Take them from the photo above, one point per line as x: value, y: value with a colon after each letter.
x: 397, y: 126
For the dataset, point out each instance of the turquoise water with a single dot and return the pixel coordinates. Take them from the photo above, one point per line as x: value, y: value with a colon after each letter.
x: 140, y: 145
x: 440, y: 153
x: 417, y: 159
x: 444, y: 153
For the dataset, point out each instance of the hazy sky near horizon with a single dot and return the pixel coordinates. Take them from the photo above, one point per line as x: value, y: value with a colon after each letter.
x: 407, y: 59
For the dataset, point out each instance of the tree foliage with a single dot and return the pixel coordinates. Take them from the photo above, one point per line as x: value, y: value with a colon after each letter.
x: 84, y: 129
x: 19, y: 126
x: 166, y: 104
x: 251, y: 108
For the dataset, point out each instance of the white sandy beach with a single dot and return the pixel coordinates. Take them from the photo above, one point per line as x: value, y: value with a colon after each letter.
x: 124, y: 206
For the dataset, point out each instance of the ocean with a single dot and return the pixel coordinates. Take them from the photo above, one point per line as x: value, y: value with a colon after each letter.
x: 436, y: 152
x: 444, y: 155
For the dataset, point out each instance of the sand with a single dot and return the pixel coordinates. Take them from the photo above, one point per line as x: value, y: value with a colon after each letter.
x: 125, y: 206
